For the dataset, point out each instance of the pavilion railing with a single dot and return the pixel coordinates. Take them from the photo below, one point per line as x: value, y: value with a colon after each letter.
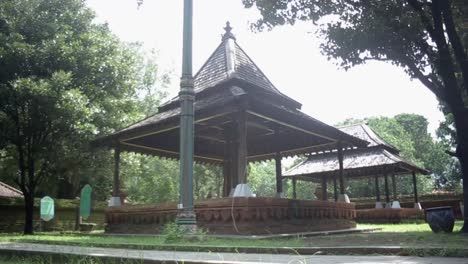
x: 256, y: 215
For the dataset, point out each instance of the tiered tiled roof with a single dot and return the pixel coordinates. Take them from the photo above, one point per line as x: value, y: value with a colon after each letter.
x: 230, y: 62
x: 8, y: 191
x: 378, y: 157
x: 364, y: 132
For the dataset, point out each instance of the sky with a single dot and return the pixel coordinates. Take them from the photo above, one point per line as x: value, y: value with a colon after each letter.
x: 289, y: 56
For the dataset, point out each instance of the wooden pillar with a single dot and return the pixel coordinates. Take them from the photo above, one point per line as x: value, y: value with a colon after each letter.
x: 324, y: 189
x: 242, y: 146
x: 335, y: 188
x: 394, y: 185
x: 387, y: 192
x: 228, y: 162
x: 116, y: 183
x: 279, y: 176
x: 341, y: 171
x: 377, y: 188
x: 415, y: 188
x: 234, y: 165
x: 294, y: 188
x: 227, y: 179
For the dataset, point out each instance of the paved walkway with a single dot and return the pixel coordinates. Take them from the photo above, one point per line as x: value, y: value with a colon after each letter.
x: 206, y: 257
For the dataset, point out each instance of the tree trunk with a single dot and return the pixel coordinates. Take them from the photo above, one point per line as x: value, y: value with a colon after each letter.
x: 461, y: 125
x: 29, y: 212
x: 464, y: 166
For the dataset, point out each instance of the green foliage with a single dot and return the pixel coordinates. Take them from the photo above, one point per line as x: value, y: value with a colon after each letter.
x: 172, y: 232
x: 208, y: 181
x: 426, y: 38
x: 395, y: 134
x: 153, y: 180
x: 262, y: 179
x: 149, y: 179
x: 64, y: 80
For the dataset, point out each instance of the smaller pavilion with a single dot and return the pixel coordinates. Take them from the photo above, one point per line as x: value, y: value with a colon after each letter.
x: 378, y: 160
x: 6, y: 191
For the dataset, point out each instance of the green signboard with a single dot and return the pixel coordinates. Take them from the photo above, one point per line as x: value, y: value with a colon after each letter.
x: 85, y: 202
x: 47, y: 208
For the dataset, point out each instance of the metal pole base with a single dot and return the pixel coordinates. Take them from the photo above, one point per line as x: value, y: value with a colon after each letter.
x: 396, y: 205
x: 187, y: 221
x: 279, y: 195
x: 242, y: 190
x: 114, y: 201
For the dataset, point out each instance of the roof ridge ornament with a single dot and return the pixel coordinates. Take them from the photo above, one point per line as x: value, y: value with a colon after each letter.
x: 229, y: 42
x: 228, y: 34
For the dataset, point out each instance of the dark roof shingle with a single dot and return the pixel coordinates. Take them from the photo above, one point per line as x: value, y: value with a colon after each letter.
x: 8, y: 191
x: 351, y: 160
x: 377, y: 154
x: 364, y: 132
x: 215, y: 71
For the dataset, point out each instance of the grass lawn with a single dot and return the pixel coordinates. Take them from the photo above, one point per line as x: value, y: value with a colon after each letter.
x: 414, y: 236
x: 404, y: 235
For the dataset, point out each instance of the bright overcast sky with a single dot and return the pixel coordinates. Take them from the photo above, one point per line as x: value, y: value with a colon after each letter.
x: 289, y: 56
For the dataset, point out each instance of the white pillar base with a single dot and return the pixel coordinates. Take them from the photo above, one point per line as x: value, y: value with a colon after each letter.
x: 378, y: 205
x: 343, y: 198
x: 396, y: 205
x: 114, y: 201
x: 279, y: 195
x: 242, y: 190
x: 462, y: 209
x: 388, y: 205
x: 417, y: 206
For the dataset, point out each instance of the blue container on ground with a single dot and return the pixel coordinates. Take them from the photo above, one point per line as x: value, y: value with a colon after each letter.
x: 440, y: 219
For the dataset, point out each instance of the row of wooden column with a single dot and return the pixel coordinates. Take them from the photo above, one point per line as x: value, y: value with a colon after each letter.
x: 394, y: 187
x: 324, y: 187
x: 341, y: 179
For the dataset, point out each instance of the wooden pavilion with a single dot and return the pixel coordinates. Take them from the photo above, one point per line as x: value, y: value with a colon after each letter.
x: 378, y: 160
x: 240, y: 117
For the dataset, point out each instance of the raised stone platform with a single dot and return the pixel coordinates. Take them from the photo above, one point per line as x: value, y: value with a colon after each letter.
x: 241, y: 215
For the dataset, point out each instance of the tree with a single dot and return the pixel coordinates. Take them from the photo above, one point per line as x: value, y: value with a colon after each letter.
x: 425, y: 37
x: 262, y: 178
x: 64, y: 80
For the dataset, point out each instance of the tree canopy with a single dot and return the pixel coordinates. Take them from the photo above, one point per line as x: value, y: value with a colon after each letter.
x: 64, y: 80
x: 427, y: 38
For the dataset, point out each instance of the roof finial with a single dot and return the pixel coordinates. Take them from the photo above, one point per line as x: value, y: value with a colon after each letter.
x: 228, y: 33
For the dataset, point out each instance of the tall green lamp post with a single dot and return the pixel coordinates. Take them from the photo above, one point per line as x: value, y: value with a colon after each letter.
x: 186, y: 217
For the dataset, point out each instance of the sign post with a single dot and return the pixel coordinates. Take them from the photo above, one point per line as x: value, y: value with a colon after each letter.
x: 85, y: 201
x: 47, y: 208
